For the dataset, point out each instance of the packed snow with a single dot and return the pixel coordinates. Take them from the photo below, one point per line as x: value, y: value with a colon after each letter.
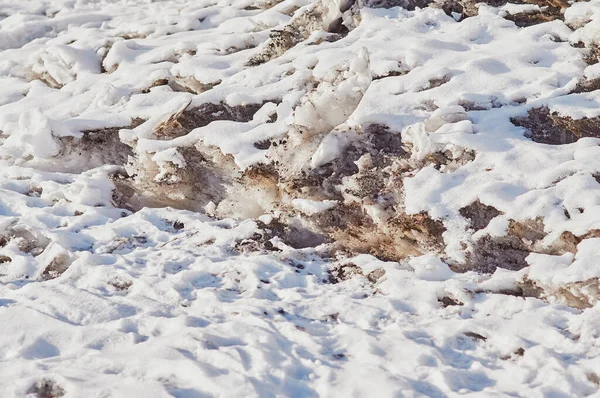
x: 299, y: 198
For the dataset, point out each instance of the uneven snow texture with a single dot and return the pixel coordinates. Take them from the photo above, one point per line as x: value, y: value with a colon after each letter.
x: 112, y: 111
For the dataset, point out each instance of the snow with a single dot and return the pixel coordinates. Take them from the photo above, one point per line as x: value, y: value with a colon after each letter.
x: 565, y: 268
x: 198, y: 318
x: 430, y: 268
x: 103, y: 301
x: 312, y: 206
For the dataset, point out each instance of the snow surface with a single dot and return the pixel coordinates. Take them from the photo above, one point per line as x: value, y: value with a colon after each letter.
x: 167, y: 303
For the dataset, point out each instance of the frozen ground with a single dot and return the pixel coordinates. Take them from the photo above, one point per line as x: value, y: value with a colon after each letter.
x: 197, y: 198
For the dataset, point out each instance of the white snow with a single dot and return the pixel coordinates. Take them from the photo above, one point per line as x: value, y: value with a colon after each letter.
x: 312, y: 206
x: 101, y: 301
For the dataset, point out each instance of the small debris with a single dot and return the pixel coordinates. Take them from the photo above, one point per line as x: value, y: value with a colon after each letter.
x: 343, y: 272
x: 46, y: 388
x: 475, y: 336
x: 120, y: 284
x: 519, y: 352
x: 449, y: 301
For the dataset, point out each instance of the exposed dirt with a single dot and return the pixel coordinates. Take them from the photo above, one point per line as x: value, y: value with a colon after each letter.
x: 207, y: 172
x: 377, y: 141
x: 436, y: 82
x: 187, y: 84
x: 475, y: 336
x: 584, y: 294
x: 123, y: 192
x: 509, y: 251
x: 546, y: 14
x: 550, y: 128
x: 593, y: 55
x: 479, y: 214
x: 45, y: 78
x: 280, y: 41
x: 490, y: 253
x: 568, y: 241
x: 344, y: 271
x: 56, y: 267
x: 549, y: 10
x: 521, y: 239
x: 190, y: 186
x: 402, y: 236
x: 188, y: 119
x: 446, y: 161
x: 391, y: 73
x: 99, y: 147
x: 294, y: 236
x: 298, y: 30
x: 586, y: 86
